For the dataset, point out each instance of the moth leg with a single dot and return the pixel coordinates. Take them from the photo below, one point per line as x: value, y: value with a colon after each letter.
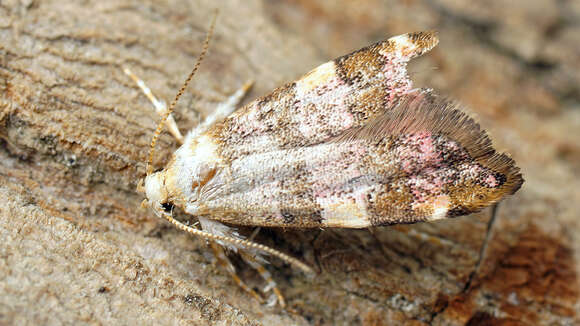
x: 265, y: 274
x: 225, y: 263
x: 160, y: 106
x: 218, y: 228
x: 223, y: 109
x: 483, y: 248
x: 250, y: 256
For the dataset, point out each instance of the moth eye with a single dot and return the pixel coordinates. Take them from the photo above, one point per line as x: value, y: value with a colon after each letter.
x: 167, y: 207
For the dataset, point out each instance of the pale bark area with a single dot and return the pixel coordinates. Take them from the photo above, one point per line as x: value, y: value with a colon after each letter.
x: 77, y: 247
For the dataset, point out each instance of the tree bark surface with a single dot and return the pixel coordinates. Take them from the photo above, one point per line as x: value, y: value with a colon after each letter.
x: 77, y: 248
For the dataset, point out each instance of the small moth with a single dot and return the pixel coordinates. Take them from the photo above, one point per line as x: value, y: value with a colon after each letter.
x: 351, y: 144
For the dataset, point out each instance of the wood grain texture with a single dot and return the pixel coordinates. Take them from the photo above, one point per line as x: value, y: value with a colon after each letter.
x: 77, y: 247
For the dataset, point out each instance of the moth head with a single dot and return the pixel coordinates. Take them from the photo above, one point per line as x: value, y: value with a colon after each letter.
x: 156, y: 193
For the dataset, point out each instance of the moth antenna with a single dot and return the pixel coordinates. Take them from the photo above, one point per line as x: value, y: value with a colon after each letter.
x: 241, y: 242
x: 181, y: 91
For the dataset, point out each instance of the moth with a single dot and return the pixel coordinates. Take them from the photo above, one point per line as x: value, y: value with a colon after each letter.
x: 351, y: 144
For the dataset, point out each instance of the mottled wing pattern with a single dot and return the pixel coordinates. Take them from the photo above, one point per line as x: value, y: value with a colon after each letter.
x: 351, y: 144
x: 334, y: 97
x: 422, y: 160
